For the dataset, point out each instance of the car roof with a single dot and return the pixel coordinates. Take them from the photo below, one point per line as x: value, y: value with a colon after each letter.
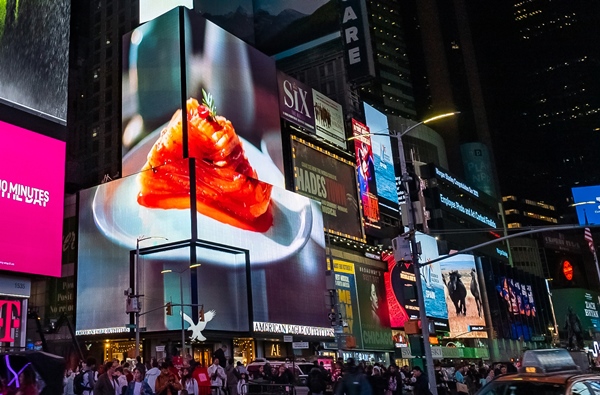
x: 550, y: 378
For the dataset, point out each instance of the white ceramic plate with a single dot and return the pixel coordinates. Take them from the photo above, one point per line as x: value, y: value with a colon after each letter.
x: 121, y: 219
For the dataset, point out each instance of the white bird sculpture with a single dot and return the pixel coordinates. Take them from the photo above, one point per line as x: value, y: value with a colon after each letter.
x: 197, y: 328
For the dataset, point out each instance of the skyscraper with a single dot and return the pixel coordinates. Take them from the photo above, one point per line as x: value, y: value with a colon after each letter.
x: 541, y: 68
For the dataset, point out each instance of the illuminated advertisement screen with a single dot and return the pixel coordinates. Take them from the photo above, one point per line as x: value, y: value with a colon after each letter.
x: 345, y: 285
x: 280, y: 25
x: 279, y: 252
x: 463, y: 296
x: 311, y: 110
x: 433, y: 283
x: 228, y: 81
x: 385, y: 175
x: 401, y: 291
x: 330, y: 180
x: 463, y: 206
x: 518, y: 296
x: 519, y: 303
x: 365, y: 168
x: 150, y: 9
x: 296, y: 101
x: 34, y: 56
x: 576, y: 305
x: 587, y: 204
x: 32, y: 182
x: 374, y: 314
x: 329, y: 119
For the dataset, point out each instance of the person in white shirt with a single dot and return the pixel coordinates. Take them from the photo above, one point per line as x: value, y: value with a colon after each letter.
x: 217, y: 377
x: 188, y: 382
x: 138, y: 386
x: 121, y: 380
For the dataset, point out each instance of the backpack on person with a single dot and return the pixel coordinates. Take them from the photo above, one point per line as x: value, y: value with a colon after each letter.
x: 78, y: 386
x: 316, y: 382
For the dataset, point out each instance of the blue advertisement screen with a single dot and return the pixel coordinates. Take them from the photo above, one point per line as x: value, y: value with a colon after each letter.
x: 385, y: 176
x: 587, y: 204
x: 432, y: 280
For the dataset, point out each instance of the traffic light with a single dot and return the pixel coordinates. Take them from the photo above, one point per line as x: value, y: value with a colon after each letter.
x: 169, y: 308
x: 201, y: 314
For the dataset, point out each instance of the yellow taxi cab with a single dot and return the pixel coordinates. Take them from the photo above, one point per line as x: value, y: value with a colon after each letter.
x: 545, y: 372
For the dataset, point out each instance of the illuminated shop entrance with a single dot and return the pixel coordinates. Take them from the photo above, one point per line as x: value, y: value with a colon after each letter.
x: 203, y: 354
x: 243, y: 350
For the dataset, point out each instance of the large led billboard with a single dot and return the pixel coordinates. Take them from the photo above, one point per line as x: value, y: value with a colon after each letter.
x: 268, y: 260
x: 32, y: 181
x: 519, y: 302
x: 365, y: 169
x: 281, y: 25
x: 362, y: 295
x: 227, y: 77
x: 587, y: 204
x: 385, y: 175
x: 432, y: 281
x: 330, y: 180
x: 345, y: 285
x: 576, y: 307
x: 374, y: 315
x: 463, y: 296
x: 311, y: 110
x: 401, y: 291
x: 34, y: 56
x: 150, y: 9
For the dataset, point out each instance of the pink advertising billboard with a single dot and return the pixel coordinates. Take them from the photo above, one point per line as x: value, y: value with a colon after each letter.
x: 32, y: 169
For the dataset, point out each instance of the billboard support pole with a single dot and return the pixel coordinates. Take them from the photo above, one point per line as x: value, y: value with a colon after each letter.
x: 417, y: 268
x: 137, y: 288
x: 413, y: 241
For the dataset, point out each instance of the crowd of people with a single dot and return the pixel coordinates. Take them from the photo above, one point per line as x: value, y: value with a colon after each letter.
x: 112, y: 377
x: 377, y: 379
x: 225, y: 377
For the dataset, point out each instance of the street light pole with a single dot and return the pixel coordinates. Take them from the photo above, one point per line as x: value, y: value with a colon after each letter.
x: 416, y: 267
x: 137, y: 289
x: 405, y: 177
x: 182, y: 329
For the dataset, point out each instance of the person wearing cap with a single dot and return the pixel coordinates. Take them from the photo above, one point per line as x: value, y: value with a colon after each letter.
x: 420, y: 382
x: 378, y: 384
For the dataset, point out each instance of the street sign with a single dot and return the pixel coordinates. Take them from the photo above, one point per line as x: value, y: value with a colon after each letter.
x: 143, y: 329
x: 436, y: 353
x: 299, y: 345
x: 477, y: 328
x: 288, y: 338
x: 130, y: 326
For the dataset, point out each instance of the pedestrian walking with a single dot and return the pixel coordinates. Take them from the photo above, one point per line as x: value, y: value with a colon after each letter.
x: 138, y: 386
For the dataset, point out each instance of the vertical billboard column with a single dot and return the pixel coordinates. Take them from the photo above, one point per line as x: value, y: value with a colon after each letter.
x: 401, y: 291
x: 345, y: 285
x: 365, y: 168
x: 433, y: 283
x: 374, y: 313
x: 385, y: 173
x: 357, y: 40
